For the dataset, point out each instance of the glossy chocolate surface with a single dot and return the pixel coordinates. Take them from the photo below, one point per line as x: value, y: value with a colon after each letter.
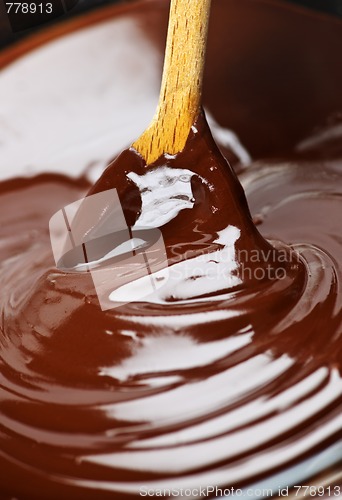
x: 227, y: 373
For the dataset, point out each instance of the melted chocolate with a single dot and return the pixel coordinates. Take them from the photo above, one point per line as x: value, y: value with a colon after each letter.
x: 229, y: 372
x: 193, y: 384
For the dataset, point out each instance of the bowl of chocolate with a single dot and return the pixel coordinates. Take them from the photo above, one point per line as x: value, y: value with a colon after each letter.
x: 225, y: 379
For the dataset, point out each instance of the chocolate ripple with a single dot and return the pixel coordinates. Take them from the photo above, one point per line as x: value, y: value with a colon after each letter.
x: 214, y: 378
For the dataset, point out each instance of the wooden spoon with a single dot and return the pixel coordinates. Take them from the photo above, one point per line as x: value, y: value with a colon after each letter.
x: 181, y: 88
x: 179, y: 106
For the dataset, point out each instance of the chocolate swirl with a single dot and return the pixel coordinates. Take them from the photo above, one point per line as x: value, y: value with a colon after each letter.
x: 227, y: 373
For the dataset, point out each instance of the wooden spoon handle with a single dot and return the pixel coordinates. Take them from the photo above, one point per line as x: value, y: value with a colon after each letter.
x: 181, y: 88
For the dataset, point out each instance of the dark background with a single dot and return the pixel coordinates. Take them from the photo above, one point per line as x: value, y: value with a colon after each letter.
x: 7, y: 34
x: 332, y: 6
